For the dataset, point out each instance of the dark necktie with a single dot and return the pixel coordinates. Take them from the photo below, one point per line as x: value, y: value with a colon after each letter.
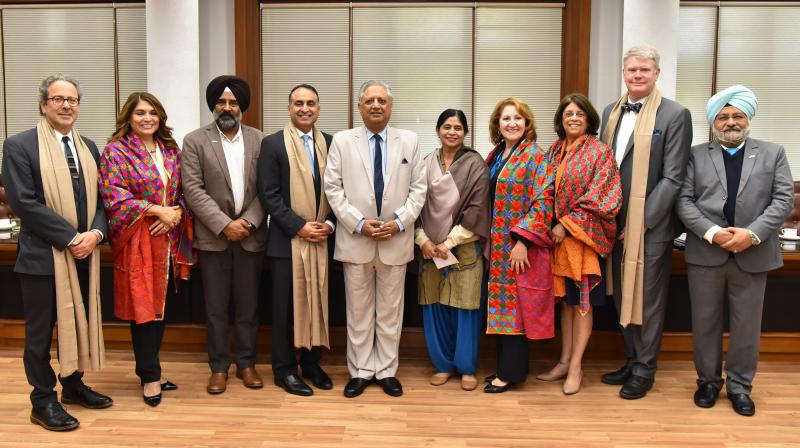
x: 72, y: 164
x: 631, y: 107
x: 378, y: 168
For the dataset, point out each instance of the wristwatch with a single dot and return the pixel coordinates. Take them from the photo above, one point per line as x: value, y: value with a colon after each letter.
x: 754, y: 240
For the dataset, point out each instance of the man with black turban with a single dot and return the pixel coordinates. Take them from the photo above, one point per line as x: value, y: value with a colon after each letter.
x: 737, y: 193
x: 230, y: 227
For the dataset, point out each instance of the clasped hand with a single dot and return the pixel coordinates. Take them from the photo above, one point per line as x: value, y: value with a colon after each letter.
x: 168, y: 217
x: 314, y: 231
x: 430, y: 250
x: 84, y: 244
x: 379, y: 230
x: 733, y: 239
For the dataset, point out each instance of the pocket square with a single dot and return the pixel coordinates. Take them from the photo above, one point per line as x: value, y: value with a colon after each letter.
x: 656, y: 133
x: 404, y: 161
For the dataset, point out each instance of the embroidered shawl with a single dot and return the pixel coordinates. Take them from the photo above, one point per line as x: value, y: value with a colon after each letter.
x: 523, y: 204
x: 129, y: 185
x: 588, y: 196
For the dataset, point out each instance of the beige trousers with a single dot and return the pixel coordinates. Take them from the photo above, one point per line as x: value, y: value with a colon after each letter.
x: 374, y: 299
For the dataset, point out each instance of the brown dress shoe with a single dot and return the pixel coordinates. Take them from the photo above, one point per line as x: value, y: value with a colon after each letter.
x: 250, y: 378
x: 217, y: 383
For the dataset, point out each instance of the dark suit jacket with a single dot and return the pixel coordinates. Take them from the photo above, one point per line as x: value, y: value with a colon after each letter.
x: 42, y: 228
x: 763, y: 201
x: 273, y: 189
x: 669, y: 152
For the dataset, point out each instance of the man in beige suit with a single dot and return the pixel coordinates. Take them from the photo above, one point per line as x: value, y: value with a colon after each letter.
x: 375, y: 184
x: 230, y: 227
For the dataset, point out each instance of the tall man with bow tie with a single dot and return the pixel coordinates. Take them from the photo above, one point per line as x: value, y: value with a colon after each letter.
x: 737, y: 193
x: 375, y: 183
x: 651, y: 137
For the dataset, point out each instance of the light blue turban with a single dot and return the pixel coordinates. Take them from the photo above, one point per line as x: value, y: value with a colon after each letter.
x: 737, y: 96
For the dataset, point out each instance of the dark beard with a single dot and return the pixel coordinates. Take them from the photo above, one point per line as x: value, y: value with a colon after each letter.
x: 226, y: 121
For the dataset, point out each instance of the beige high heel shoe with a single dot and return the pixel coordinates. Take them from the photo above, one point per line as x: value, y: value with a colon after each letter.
x: 551, y: 376
x: 572, y: 388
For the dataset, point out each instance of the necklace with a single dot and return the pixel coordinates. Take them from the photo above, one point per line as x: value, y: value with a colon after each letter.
x: 151, y: 151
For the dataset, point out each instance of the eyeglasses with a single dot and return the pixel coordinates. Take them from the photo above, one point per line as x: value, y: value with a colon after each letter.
x: 578, y: 114
x: 59, y: 100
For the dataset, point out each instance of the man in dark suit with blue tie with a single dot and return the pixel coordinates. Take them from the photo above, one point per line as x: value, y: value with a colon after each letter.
x: 50, y: 176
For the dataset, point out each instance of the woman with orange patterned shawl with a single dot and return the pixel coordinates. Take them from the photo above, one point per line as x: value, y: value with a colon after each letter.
x: 520, y: 303
x: 149, y: 230
x: 588, y: 197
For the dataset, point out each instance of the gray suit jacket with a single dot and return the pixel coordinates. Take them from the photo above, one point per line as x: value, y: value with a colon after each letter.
x: 42, y: 228
x: 764, y: 200
x: 351, y: 194
x: 207, y: 188
x: 669, y: 151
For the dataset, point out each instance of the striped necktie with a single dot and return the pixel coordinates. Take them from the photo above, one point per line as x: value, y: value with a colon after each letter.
x: 72, y: 164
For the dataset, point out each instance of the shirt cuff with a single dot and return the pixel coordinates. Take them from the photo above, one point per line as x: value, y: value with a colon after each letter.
x: 400, y: 224
x: 330, y: 223
x: 72, y: 241
x: 360, y: 225
x: 709, y: 235
x: 97, y: 231
x: 420, y: 237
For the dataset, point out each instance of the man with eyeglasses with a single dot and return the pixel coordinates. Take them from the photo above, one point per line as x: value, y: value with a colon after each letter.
x: 650, y: 137
x: 218, y: 169
x: 375, y: 184
x: 737, y: 193
x: 50, y: 175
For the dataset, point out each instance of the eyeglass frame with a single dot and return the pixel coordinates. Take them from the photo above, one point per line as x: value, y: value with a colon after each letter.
x: 60, y: 100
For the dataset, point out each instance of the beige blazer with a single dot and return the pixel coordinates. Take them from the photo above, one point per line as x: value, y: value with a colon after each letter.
x: 351, y: 194
x: 207, y: 188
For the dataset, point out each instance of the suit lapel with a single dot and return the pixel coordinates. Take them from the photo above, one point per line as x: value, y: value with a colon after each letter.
x: 216, y: 146
x: 362, y: 147
x: 393, y: 154
x: 715, y: 152
x: 750, y: 156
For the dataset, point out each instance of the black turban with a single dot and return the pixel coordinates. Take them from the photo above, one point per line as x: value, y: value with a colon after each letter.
x: 237, y: 85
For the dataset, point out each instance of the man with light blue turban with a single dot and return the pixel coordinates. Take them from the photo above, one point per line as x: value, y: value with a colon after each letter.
x: 737, y: 193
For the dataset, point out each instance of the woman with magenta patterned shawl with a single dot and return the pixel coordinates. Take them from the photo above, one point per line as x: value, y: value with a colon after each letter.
x: 520, y: 303
x: 588, y: 197
x: 149, y: 228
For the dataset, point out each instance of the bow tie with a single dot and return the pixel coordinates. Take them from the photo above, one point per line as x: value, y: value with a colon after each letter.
x: 631, y: 107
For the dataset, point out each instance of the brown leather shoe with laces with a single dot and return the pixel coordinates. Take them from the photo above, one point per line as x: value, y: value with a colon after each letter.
x: 217, y: 383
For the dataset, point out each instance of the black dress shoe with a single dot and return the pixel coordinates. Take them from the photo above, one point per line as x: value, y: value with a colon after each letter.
x: 318, y: 378
x: 489, y: 378
x: 53, y: 417
x: 391, y: 386
x: 742, y: 404
x: 706, y: 395
x: 636, y: 387
x: 86, y: 397
x: 294, y: 385
x: 153, y: 401
x: 617, y: 377
x: 492, y: 389
x: 169, y: 385
x: 355, y: 387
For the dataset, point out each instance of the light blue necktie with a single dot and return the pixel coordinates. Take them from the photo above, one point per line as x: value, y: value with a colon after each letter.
x: 309, y: 153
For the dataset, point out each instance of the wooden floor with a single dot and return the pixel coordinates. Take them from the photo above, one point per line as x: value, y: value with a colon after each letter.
x: 537, y: 414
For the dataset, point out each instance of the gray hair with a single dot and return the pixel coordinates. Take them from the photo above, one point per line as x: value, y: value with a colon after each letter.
x: 44, y: 87
x: 642, y: 51
x: 371, y: 83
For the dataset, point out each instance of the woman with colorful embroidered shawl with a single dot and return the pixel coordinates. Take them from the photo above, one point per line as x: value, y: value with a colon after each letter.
x: 588, y: 197
x: 520, y: 303
x: 149, y: 229
x: 454, y: 225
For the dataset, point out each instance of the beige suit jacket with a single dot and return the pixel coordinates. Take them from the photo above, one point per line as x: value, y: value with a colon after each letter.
x: 207, y: 188
x: 351, y: 194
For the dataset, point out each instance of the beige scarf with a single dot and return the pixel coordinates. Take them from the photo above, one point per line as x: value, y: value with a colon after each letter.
x: 80, y: 343
x: 309, y: 260
x: 633, y: 247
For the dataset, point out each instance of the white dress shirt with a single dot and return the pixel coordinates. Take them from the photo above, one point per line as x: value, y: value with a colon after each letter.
x: 626, y: 125
x: 234, y: 157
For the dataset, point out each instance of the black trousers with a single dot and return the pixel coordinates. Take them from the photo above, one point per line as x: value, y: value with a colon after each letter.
x: 512, y: 358
x: 231, y: 275
x: 147, y: 339
x: 39, y: 307
x: 284, y: 357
